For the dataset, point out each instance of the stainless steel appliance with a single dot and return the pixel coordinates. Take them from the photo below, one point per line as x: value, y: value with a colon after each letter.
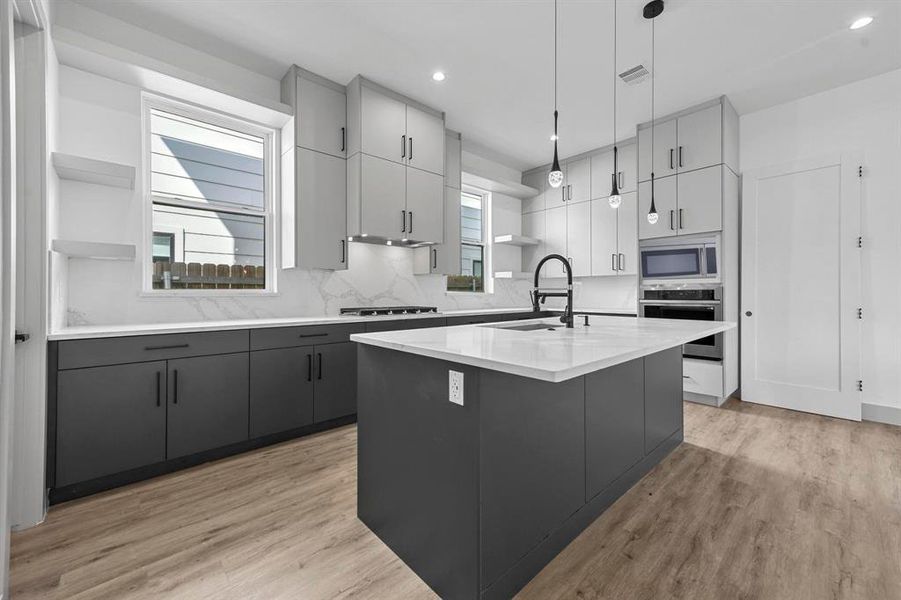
x: 692, y: 259
x: 373, y: 311
x: 699, y: 304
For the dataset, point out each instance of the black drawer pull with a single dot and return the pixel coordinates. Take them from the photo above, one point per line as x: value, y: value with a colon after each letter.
x: 309, y: 335
x: 319, y: 358
x: 175, y: 386
x: 158, y: 376
x: 171, y: 347
x: 309, y: 367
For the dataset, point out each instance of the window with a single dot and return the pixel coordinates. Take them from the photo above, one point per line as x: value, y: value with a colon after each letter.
x: 472, y: 245
x: 210, y: 200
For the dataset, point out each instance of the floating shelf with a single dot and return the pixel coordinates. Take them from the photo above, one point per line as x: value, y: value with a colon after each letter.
x: 99, y: 250
x: 79, y: 168
x: 515, y: 240
x: 513, y: 275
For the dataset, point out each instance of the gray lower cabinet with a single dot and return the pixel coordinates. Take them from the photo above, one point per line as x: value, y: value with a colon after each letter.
x: 208, y: 398
x: 662, y: 400
x: 336, y: 381
x: 281, y: 390
x: 110, y: 419
x: 614, y: 423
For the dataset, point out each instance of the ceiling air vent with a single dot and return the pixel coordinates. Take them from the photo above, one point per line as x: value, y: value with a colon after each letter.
x: 635, y: 75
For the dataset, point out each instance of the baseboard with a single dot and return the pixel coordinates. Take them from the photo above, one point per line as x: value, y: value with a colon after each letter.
x: 879, y: 413
x: 705, y: 399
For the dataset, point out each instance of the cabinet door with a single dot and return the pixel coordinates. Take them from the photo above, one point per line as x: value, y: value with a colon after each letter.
x: 665, y: 202
x: 453, y: 161
x: 208, y: 403
x: 109, y: 419
x: 425, y: 206
x: 602, y: 174
x: 425, y: 141
x: 321, y: 210
x: 700, y: 136
x: 662, y: 396
x: 603, y: 238
x: 336, y: 381
x: 321, y: 118
x: 555, y: 240
x: 537, y: 180
x: 383, y: 126
x: 578, y: 238
x: 556, y: 197
x: 281, y: 390
x: 578, y: 180
x: 700, y: 196
x: 383, y: 187
x: 664, y: 159
x: 628, y: 168
x: 627, y: 235
x: 533, y: 226
x: 446, y: 256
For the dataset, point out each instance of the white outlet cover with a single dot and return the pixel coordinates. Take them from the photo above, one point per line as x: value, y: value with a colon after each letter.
x: 455, y: 387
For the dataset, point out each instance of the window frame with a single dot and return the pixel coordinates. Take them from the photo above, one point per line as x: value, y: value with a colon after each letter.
x: 485, y: 243
x: 269, y: 213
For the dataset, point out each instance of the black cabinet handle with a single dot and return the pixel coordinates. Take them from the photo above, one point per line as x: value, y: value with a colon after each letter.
x: 411, y: 148
x: 621, y: 262
x: 343, y: 251
x: 680, y: 156
x: 434, y: 258
x: 309, y: 335
x: 619, y: 179
x: 343, y: 139
x: 403, y: 221
x: 671, y: 226
x: 680, y: 219
x: 319, y: 358
x: 403, y: 146
x: 158, y: 394
x: 174, y: 386
x: 411, y: 222
x: 613, y: 262
x: 309, y: 367
x: 171, y: 347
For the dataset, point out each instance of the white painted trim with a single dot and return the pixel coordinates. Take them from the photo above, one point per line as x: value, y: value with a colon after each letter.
x: 90, y: 170
x: 879, y: 413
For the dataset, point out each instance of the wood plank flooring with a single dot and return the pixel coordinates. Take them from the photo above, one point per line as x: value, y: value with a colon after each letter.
x: 757, y: 503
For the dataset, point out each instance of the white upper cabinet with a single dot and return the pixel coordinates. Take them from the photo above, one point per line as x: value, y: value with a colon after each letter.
x: 578, y: 237
x: 538, y: 180
x: 577, y: 180
x: 321, y: 117
x: 628, y: 168
x: 602, y: 171
x: 442, y: 258
x: 627, y: 234
x: 425, y: 141
x: 453, y: 167
x: 425, y: 206
x: 383, y: 126
x: 664, y: 150
x: 700, y: 199
x: 603, y: 238
x: 381, y: 187
x: 664, y: 202
x: 322, y: 210
x: 556, y: 197
x: 700, y: 137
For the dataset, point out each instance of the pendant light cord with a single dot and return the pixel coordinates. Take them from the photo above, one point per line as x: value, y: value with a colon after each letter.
x: 614, y: 78
x: 555, y: 59
x: 653, y: 76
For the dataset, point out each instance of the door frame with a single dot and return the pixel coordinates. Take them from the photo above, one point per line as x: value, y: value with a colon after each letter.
x: 850, y: 269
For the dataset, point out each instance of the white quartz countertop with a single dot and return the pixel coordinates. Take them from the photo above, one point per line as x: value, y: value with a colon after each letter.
x: 547, y: 355
x: 99, y: 331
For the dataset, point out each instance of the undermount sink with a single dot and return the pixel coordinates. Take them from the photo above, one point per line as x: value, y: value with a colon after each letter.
x: 525, y: 327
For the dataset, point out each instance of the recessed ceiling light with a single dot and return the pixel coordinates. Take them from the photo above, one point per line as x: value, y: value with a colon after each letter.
x: 861, y: 22
x: 438, y: 76
x: 554, y: 137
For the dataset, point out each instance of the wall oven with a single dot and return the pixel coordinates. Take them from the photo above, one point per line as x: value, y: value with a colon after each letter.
x: 701, y: 304
x: 680, y: 259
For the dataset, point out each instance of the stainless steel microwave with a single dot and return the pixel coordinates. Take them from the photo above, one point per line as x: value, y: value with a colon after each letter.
x: 686, y: 259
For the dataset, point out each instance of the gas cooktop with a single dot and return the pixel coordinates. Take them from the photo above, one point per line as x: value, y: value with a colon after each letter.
x: 371, y: 311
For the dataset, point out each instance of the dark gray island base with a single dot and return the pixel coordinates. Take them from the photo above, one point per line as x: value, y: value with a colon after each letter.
x: 478, y: 498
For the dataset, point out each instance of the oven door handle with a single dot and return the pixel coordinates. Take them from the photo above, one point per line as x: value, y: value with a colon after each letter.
x: 710, y: 303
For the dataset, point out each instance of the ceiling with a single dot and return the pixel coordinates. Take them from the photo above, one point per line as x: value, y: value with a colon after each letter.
x: 498, y: 55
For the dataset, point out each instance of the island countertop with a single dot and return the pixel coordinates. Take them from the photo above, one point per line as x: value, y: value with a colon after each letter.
x: 553, y: 356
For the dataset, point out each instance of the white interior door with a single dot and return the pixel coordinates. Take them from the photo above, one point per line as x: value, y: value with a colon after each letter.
x: 801, y: 287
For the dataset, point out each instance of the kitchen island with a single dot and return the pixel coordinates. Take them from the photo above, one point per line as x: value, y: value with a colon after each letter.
x: 483, y: 450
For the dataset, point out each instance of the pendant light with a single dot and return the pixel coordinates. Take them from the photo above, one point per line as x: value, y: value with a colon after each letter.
x: 555, y: 177
x: 615, y: 199
x: 651, y: 10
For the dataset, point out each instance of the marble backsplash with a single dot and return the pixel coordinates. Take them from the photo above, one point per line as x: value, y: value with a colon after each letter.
x: 108, y: 293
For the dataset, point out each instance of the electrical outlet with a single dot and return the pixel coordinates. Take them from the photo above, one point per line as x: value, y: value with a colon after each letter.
x: 455, y: 387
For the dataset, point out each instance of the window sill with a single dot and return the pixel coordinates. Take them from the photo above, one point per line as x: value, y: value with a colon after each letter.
x: 154, y: 294
x: 462, y: 293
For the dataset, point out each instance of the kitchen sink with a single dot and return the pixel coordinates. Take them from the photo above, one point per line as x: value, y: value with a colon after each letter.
x: 525, y: 327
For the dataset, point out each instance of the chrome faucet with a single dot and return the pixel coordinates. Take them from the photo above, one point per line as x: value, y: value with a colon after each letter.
x: 539, y: 296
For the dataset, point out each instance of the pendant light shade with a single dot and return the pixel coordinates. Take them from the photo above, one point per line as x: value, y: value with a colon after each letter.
x: 555, y: 176
x: 652, y: 10
x: 615, y: 199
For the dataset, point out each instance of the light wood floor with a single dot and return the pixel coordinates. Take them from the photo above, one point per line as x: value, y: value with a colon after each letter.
x: 757, y: 503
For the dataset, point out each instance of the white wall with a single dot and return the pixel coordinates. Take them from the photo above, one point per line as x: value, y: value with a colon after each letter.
x: 864, y: 116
